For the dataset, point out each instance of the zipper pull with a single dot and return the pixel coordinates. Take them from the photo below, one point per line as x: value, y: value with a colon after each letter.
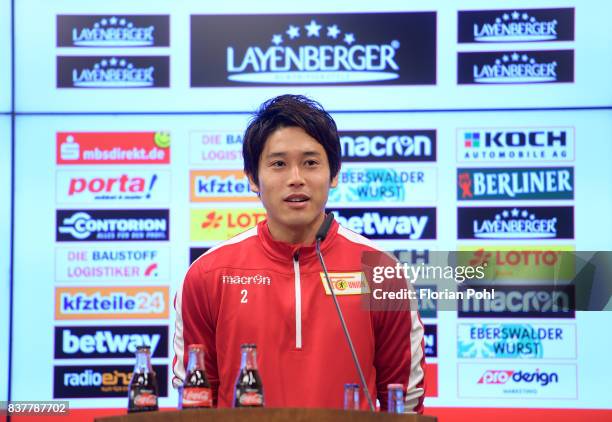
x: 296, y: 255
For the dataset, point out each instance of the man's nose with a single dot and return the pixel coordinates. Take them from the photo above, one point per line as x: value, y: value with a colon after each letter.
x: 296, y: 177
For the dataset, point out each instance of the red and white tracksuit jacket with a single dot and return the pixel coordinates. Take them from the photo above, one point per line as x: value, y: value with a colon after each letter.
x: 253, y: 289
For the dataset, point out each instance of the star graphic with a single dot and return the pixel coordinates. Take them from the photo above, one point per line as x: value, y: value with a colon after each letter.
x: 505, y: 214
x: 349, y: 38
x: 103, y: 22
x: 113, y: 61
x: 505, y: 58
x: 293, y: 31
x: 122, y: 22
x: 515, y: 57
x: 524, y: 214
x: 515, y: 212
x: 113, y: 20
x: 333, y: 31
x: 506, y: 17
x: 515, y: 15
x: 525, y: 16
x: 498, y: 20
x: 277, y: 39
x: 313, y: 28
x: 524, y: 57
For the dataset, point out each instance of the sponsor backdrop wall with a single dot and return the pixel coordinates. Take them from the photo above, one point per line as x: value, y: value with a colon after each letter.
x: 462, y: 128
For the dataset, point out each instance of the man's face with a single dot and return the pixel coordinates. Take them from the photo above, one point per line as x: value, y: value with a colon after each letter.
x: 294, y: 178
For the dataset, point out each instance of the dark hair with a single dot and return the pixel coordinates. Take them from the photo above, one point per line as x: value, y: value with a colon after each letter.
x: 290, y: 111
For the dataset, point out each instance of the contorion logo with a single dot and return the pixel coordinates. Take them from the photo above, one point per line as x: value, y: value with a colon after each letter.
x: 346, y: 283
x: 215, y: 224
x: 73, y: 303
x: 309, y: 49
x: 219, y: 186
x: 112, y: 148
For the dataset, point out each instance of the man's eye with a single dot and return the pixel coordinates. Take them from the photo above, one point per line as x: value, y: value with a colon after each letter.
x: 278, y: 164
x: 311, y: 163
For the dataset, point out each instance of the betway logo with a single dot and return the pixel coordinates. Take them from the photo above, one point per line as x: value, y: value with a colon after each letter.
x: 397, y: 223
x: 104, y: 341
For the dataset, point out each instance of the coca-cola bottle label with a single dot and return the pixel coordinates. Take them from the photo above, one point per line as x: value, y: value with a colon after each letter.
x: 251, y: 398
x: 197, y: 397
x: 145, y: 399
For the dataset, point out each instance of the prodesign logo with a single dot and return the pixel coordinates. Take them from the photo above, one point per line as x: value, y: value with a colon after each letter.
x: 112, y: 148
x: 113, y: 71
x: 503, y: 376
x: 387, y: 145
x: 112, y: 225
x: 313, y: 49
x: 100, y: 381
x: 220, y: 186
x: 351, y: 283
x: 530, y: 183
x: 113, y: 30
x: 515, y: 144
x: 516, y: 223
x: 522, y: 25
x: 90, y: 186
x: 74, y: 303
x: 516, y: 67
x: 215, y: 224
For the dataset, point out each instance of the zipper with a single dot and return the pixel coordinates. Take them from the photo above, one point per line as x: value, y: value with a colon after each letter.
x: 298, y: 301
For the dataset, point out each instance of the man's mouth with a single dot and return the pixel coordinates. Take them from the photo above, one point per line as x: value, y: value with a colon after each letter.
x: 297, y: 198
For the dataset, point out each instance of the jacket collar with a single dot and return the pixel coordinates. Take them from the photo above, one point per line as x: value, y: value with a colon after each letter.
x: 284, y: 252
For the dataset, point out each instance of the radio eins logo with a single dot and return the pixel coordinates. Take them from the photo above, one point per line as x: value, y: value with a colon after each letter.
x: 307, y: 49
x: 387, y: 145
x: 216, y: 149
x: 113, y: 71
x: 112, y: 264
x: 78, y: 342
x: 516, y: 67
x: 528, y: 183
x: 522, y: 25
x: 112, y: 225
x: 515, y: 223
x: 220, y: 186
x: 391, y: 183
x: 109, y: 186
x: 215, y: 224
x: 389, y: 223
x: 522, y: 301
x: 74, y: 303
x: 515, y: 144
x: 516, y: 341
x: 100, y: 381
x: 113, y: 31
x: 78, y: 148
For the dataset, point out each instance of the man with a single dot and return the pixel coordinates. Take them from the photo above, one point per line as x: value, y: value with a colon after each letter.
x: 265, y: 286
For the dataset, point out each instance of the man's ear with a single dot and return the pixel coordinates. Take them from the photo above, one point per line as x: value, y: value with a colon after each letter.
x: 334, y: 180
x: 252, y: 183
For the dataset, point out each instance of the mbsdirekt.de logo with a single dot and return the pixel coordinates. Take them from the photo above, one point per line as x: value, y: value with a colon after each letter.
x: 113, y: 30
x: 323, y: 49
x: 112, y: 225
